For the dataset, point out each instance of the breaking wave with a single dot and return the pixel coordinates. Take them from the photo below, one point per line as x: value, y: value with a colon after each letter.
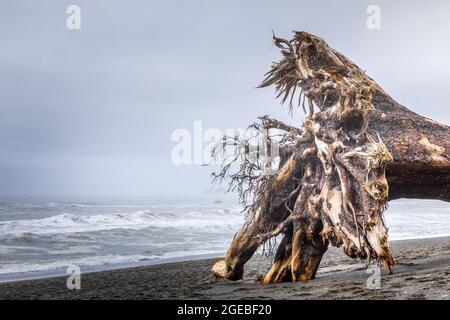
x: 73, y: 223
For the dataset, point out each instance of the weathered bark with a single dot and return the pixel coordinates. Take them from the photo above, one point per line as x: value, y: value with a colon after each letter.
x: 357, y: 149
x: 281, y: 267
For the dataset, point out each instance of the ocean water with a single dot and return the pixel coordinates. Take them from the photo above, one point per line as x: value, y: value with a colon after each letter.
x: 42, y: 237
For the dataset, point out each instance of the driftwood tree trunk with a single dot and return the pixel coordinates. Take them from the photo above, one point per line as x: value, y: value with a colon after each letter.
x: 356, y: 150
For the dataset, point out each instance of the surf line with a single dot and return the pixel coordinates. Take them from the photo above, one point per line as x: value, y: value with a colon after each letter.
x: 188, y: 310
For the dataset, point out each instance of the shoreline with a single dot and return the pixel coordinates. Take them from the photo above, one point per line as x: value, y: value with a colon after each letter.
x: 423, y: 272
x: 61, y: 272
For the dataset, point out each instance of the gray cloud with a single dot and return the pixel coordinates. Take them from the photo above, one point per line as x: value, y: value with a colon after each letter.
x: 91, y: 111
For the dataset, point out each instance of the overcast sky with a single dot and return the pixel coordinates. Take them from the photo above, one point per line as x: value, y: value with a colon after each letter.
x: 91, y: 111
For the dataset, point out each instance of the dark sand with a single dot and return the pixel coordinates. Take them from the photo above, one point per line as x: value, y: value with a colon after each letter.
x: 423, y: 272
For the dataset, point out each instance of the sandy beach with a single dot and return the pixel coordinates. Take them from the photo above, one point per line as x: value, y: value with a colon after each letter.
x: 423, y: 272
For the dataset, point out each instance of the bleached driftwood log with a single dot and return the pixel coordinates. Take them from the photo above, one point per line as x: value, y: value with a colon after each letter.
x: 356, y: 150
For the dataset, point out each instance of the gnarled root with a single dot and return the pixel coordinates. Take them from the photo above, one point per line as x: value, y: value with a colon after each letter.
x: 242, y: 248
x: 306, y: 254
x: 281, y: 267
x: 333, y: 181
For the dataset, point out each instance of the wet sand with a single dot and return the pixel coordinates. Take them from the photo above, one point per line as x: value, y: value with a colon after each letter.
x: 423, y: 272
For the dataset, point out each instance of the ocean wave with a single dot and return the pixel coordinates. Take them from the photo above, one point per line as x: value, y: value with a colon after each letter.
x: 64, y: 263
x: 73, y: 223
